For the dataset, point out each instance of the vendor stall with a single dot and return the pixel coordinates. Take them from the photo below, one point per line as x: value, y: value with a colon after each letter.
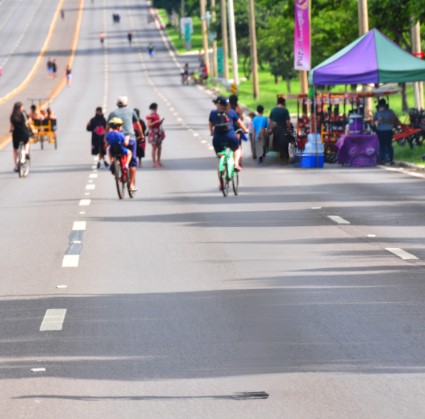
x: 372, y: 58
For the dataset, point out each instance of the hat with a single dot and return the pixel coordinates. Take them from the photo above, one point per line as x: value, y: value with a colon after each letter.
x: 221, y: 100
x: 122, y: 100
x: 382, y: 102
x: 115, y: 122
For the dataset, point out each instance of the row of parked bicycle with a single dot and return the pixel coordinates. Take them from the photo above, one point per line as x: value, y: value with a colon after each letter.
x: 413, y: 132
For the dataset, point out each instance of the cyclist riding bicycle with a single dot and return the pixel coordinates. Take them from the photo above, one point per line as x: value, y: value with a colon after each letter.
x: 222, y: 130
x: 115, y: 141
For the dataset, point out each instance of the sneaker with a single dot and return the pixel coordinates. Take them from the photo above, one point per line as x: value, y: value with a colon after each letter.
x: 105, y: 164
x: 15, y: 169
x: 133, y: 189
x: 27, y: 156
x: 98, y: 164
x: 112, y: 168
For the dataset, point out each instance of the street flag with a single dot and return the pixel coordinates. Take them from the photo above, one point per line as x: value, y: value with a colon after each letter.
x: 302, y: 50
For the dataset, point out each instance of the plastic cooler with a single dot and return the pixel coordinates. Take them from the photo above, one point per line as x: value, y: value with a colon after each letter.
x: 314, y: 152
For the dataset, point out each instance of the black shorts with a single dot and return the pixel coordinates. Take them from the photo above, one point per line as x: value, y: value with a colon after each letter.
x: 16, y: 142
x: 221, y: 141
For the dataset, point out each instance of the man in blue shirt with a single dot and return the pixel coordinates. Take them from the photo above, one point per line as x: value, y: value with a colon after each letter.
x: 259, y: 124
x: 385, y: 119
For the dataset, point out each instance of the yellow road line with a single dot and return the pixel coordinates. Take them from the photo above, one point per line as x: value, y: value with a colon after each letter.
x: 33, y: 71
x: 5, y: 139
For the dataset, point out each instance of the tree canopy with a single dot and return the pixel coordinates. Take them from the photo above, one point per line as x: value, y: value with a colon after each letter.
x: 334, y: 24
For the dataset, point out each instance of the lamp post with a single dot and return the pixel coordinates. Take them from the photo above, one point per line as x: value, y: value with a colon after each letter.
x: 204, y: 32
x: 253, y: 41
x: 224, y: 39
x: 415, y: 34
x: 233, y: 47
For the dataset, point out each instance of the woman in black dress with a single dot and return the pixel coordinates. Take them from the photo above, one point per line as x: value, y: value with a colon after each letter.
x: 19, y: 130
x: 96, y: 126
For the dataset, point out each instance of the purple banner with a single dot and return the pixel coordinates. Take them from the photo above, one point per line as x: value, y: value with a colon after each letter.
x: 302, y: 51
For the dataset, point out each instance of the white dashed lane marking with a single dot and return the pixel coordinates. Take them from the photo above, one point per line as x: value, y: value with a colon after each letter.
x: 85, y: 202
x: 38, y: 369
x: 70, y: 261
x: 90, y: 187
x: 53, y: 319
x: 79, y: 225
x: 402, y: 254
x: 337, y: 219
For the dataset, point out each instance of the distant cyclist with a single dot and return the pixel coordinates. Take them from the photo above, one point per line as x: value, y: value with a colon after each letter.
x: 221, y: 128
x: 116, y: 142
x: 19, y: 130
x: 129, y: 37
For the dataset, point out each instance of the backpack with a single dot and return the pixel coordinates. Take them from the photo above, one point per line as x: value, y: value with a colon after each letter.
x: 222, y: 123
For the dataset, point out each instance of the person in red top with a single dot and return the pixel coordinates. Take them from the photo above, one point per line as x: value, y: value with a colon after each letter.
x: 156, y: 134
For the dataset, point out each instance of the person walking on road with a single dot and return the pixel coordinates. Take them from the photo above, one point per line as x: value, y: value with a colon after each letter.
x: 129, y: 117
x: 260, y: 123
x: 280, y: 123
x: 151, y: 50
x: 156, y: 134
x: 54, y: 68
x: 68, y: 75
x: 97, y: 126
x: 50, y: 67
x: 130, y: 38
x: 140, y: 138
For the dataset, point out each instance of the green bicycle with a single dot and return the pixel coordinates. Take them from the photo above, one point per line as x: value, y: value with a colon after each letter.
x: 228, y: 174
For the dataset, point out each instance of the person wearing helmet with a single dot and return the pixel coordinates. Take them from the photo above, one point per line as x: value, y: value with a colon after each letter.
x: 129, y: 118
x: 115, y: 140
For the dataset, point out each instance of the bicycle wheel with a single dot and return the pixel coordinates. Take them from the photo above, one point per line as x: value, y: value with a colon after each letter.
x: 235, y: 182
x: 25, y: 166
x: 23, y: 162
x: 127, y: 182
x: 118, y: 179
x: 224, y: 180
x: 19, y: 160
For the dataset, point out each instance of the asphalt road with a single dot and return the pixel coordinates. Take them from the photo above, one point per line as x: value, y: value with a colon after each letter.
x: 292, y: 300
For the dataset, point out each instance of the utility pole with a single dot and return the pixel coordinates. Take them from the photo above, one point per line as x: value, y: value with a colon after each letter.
x: 182, y: 9
x: 205, y: 33
x: 224, y: 39
x: 233, y: 47
x: 363, y: 17
x: 214, y: 41
x: 253, y: 41
x: 415, y: 35
x: 363, y: 28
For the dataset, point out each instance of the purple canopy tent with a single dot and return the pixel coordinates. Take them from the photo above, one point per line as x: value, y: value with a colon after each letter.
x: 372, y: 58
